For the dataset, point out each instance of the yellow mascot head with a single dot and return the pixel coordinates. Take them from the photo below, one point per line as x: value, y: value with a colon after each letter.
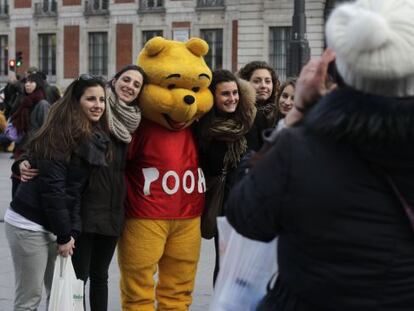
x: 178, y: 78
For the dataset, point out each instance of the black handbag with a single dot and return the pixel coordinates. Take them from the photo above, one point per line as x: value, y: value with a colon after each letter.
x: 213, y: 205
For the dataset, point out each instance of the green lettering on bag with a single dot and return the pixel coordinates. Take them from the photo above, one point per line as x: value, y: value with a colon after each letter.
x: 79, y: 297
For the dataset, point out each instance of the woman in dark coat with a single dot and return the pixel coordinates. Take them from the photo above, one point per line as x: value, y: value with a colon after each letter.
x: 103, y: 200
x: 337, y: 189
x: 102, y: 209
x: 223, y: 132
x: 44, y: 215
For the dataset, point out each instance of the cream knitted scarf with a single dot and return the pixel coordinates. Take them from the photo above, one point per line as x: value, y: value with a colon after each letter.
x: 123, y: 119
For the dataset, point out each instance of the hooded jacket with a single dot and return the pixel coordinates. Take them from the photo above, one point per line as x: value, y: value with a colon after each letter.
x: 345, y: 241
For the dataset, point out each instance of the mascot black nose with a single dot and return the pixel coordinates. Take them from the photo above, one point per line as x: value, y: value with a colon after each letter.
x: 188, y: 99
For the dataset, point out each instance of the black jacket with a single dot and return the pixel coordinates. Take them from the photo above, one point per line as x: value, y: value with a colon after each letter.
x: 103, y: 200
x: 52, y: 199
x: 345, y: 242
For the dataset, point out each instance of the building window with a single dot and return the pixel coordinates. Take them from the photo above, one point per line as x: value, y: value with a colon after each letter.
x: 46, y: 7
x: 99, y: 4
x: 151, y: 4
x: 278, y: 50
x: 210, y: 3
x: 214, y: 38
x: 98, y: 53
x: 47, y: 54
x: 97, y: 7
x: 4, y: 55
x: 149, y: 34
x: 4, y: 8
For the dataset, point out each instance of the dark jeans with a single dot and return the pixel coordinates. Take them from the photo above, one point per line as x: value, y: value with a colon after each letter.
x: 91, y: 259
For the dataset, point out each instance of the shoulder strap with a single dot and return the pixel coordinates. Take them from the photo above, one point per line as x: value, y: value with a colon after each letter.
x: 407, y: 207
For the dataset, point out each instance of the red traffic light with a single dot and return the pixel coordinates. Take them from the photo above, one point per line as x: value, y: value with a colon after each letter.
x: 12, y: 63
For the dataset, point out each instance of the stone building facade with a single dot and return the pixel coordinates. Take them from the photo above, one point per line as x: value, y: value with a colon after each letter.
x: 67, y: 37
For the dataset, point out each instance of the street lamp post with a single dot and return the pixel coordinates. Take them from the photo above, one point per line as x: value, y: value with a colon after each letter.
x: 299, y: 51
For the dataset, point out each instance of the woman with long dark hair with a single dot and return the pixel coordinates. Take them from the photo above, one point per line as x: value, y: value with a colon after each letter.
x: 102, y: 210
x: 44, y: 216
x: 223, y: 132
x: 103, y: 199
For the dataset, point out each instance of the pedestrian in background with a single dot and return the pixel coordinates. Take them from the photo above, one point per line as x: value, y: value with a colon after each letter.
x: 337, y: 188
x: 44, y: 216
x: 28, y: 114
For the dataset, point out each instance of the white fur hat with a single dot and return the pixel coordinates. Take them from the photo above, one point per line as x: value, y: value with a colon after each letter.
x: 374, y: 45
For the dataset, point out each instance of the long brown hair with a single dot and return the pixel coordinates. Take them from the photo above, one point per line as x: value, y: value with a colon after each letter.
x: 66, y: 124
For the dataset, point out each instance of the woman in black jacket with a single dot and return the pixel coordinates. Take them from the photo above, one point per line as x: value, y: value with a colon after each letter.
x: 223, y: 133
x: 103, y: 200
x: 46, y: 209
x: 102, y: 209
x: 338, y: 188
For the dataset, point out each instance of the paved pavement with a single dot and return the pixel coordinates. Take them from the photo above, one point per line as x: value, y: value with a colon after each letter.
x: 203, y: 288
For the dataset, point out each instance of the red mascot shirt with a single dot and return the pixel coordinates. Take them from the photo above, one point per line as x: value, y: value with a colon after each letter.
x: 162, y: 174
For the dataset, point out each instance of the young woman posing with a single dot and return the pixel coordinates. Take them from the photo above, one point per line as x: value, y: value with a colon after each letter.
x: 45, y: 212
x: 103, y: 199
x: 102, y: 209
x: 286, y: 97
x: 223, y: 132
x: 266, y: 83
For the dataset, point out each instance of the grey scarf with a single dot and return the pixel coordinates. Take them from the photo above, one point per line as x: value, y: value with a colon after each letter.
x: 123, y: 119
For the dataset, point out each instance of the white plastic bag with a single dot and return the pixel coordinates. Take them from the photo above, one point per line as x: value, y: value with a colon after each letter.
x: 246, y: 266
x: 67, y: 291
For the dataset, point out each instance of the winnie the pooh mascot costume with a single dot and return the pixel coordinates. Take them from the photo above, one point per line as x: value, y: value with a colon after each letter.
x: 165, y: 186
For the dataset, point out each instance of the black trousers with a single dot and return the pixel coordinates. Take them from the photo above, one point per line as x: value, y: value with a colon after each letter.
x: 91, y: 259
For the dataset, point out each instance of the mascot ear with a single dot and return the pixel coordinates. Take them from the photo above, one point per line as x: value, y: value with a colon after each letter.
x: 197, y: 46
x: 154, y: 46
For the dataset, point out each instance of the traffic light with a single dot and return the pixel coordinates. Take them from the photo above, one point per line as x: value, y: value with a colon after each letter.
x: 12, y: 64
x: 19, y: 58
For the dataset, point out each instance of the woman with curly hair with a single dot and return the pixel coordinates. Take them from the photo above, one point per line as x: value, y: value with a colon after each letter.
x: 266, y: 83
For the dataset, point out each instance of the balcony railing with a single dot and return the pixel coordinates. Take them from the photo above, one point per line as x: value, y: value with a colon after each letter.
x: 97, y: 7
x: 4, y: 11
x: 210, y: 4
x: 146, y: 6
x: 46, y: 8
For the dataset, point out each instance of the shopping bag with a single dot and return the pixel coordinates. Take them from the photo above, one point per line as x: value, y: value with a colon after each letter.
x: 245, y: 270
x: 67, y: 291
